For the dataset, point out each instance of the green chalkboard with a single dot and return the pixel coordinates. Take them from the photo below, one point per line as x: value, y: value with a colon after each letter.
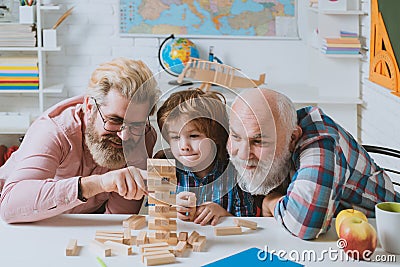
x: 390, y: 10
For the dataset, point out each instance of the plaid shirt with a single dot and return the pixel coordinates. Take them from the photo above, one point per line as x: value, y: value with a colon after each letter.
x: 331, y: 172
x: 212, y: 187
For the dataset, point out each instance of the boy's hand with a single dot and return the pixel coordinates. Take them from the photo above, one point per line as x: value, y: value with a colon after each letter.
x: 186, y: 206
x: 210, y: 212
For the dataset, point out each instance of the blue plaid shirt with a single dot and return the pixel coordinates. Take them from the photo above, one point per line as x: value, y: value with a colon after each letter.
x: 331, y: 172
x: 211, y: 188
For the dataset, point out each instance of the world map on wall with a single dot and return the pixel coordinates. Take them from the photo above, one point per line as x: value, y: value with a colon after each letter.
x: 262, y: 18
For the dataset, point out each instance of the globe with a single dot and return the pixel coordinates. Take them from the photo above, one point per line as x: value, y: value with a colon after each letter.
x: 175, y: 52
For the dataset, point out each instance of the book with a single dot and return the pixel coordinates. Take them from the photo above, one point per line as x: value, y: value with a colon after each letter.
x: 342, y: 45
x: 341, y: 40
x: 253, y: 257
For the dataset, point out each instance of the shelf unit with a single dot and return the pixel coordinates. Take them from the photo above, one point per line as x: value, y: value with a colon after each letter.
x: 40, y: 51
x: 335, y: 78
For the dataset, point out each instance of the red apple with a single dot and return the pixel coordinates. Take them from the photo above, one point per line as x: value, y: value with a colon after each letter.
x: 360, y: 238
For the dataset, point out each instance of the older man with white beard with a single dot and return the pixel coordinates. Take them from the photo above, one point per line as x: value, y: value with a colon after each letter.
x: 84, y: 155
x: 303, y: 165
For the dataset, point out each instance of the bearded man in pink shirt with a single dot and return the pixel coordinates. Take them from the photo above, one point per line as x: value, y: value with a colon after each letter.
x: 85, y: 154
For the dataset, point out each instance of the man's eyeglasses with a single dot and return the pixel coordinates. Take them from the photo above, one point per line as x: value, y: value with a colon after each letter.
x: 115, y: 125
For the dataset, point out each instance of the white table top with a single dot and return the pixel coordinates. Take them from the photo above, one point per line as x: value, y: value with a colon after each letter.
x: 43, y: 243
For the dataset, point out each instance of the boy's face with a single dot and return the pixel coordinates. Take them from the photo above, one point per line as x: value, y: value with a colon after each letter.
x: 189, y: 146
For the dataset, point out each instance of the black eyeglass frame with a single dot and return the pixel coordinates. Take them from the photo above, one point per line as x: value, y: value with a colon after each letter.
x: 147, y: 125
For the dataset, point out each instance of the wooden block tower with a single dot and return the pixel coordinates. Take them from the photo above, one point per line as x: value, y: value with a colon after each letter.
x: 161, y: 184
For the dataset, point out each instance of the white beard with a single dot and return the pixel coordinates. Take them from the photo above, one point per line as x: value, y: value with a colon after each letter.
x: 267, y: 176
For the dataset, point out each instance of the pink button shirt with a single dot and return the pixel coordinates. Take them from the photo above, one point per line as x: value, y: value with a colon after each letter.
x: 41, y: 177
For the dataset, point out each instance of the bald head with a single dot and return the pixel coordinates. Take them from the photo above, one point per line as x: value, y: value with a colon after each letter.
x: 266, y: 104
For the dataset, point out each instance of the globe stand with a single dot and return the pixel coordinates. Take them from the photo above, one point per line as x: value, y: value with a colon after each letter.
x: 166, y: 69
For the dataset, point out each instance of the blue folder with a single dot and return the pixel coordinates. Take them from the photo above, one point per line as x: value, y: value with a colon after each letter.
x: 252, y: 257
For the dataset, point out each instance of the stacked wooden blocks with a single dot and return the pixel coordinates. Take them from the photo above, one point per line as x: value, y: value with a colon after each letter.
x: 161, y: 185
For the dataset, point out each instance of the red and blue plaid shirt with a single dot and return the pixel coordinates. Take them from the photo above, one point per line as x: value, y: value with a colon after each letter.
x: 331, y: 172
x: 219, y: 186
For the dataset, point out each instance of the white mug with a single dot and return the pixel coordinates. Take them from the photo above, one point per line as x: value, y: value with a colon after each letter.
x: 387, y: 223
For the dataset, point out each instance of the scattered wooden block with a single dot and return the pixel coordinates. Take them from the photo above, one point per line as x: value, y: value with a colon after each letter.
x: 100, y: 249
x: 192, y: 238
x: 183, y: 236
x: 156, y: 249
x: 159, y: 259
x: 155, y: 245
x: 127, y: 233
x: 180, y: 249
x: 109, y: 233
x: 228, y: 230
x: 161, y: 234
x: 103, y: 239
x: 245, y: 223
x: 200, y: 244
x: 141, y: 238
x: 119, y: 248
x: 152, y: 253
x: 72, y: 248
x: 134, y: 222
x: 129, y: 241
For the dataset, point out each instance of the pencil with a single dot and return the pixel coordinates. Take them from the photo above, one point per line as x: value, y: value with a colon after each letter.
x: 101, y: 262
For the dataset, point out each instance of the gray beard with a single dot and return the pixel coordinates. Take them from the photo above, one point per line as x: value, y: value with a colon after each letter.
x: 102, y: 152
x: 266, y: 177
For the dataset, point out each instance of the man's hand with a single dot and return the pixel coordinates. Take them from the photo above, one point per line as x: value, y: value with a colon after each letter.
x: 186, y: 206
x: 210, y: 212
x: 127, y: 182
x: 269, y: 203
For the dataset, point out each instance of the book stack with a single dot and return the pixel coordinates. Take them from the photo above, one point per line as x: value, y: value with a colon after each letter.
x: 19, y: 73
x: 17, y: 35
x: 347, y: 44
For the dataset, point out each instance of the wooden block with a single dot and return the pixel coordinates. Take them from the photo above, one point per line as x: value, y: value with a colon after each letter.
x: 152, y: 200
x: 180, y: 249
x: 135, y: 222
x: 72, y: 248
x: 163, y: 212
x: 245, y: 223
x: 159, y: 244
x: 100, y: 249
x: 159, y: 259
x: 200, y: 244
x: 152, y: 253
x: 141, y: 238
x: 228, y: 230
x: 103, y: 239
x: 161, y: 186
x: 161, y: 222
x: 127, y: 233
x: 157, y: 249
x: 129, y: 241
x: 109, y: 233
x: 192, y: 238
x: 162, y: 234
x: 171, y: 227
x: 119, y: 248
x: 183, y: 236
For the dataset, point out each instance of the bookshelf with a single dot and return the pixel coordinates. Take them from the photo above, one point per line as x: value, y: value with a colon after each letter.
x: 335, y: 78
x: 38, y: 51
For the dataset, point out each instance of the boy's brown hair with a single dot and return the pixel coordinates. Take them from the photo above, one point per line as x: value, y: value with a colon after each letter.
x: 205, y: 110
